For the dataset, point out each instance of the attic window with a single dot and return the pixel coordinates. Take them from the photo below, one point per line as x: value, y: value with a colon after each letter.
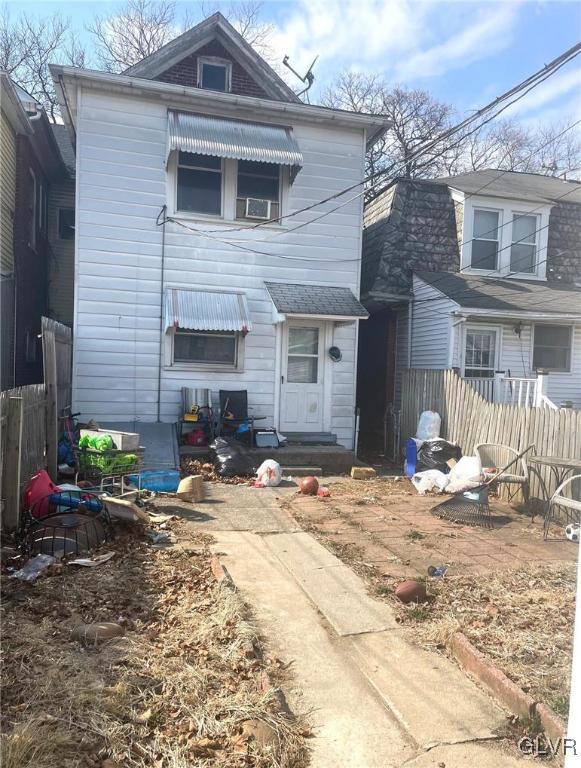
x: 214, y: 74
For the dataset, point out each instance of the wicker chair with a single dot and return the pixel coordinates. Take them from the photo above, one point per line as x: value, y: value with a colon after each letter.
x: 571, y: 506
x: 492, y: 455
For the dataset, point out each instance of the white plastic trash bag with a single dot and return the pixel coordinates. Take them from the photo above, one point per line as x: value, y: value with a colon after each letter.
x: 429, y: 425
x: 466, y: 474
x: 430, y: 480
x: 269, y: 474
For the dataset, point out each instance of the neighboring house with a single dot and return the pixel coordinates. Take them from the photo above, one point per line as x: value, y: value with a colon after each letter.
x: 480, y: 272
x: 31, y: 168
x: 223, y: 295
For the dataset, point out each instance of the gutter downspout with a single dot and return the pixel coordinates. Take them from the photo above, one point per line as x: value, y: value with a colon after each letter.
x: 161, y: 281
x: 453, y: 339
x: 410, y: 331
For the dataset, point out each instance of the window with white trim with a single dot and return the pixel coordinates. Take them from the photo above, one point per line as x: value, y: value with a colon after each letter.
x: 207, y: 347
x: 214, y: 74
x: 258, y: 190
x: 503, y: 238
x: 480, y: 353
x: 199, y: 184
x: 552, y: 347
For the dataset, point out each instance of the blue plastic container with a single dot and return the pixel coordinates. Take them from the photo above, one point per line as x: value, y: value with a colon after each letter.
x: 162, y: 481
x: 411, y: 457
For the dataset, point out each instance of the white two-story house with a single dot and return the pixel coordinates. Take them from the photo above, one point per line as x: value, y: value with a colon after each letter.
x: 204, y: 256
x: 479, y: 272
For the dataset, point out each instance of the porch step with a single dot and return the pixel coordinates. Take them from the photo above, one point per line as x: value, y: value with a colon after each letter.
x: 301, y: 471
x: 311, y: 438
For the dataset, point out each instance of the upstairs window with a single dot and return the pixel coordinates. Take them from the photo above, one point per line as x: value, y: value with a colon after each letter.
x: 504, y: 239
x: 485, y: 243
x: 523, y: 249
x: 552, y: 348
x: 258, y: 190
x: 199, y: 184
x: 214, y: 74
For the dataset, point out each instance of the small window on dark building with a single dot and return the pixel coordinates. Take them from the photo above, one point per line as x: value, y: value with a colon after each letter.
x: 66, y: 223
x: 213, y: 74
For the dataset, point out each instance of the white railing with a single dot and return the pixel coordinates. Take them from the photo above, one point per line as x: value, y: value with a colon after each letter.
x: 518, y: 391
x: 514, y: 390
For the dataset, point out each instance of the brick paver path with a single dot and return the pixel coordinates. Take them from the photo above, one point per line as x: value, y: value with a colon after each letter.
x: 386, y: 524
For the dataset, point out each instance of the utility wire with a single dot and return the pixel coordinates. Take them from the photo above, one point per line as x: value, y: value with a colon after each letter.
x: 529, y: 83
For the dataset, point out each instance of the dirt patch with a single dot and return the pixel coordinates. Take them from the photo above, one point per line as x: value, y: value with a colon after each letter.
x: 182, y: 687
x: 520, y: 615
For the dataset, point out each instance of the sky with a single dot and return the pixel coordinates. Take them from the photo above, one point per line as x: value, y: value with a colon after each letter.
x: 465, y: 52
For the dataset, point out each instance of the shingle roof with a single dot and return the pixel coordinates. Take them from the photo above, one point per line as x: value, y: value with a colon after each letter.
x: 66, y: 150
x: 515, y: 185
x: 295, y: 299
x: 508, y: 294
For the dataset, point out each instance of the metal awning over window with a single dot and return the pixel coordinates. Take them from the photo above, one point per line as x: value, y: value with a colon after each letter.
x: 215, y: 136
x: 206, y: 311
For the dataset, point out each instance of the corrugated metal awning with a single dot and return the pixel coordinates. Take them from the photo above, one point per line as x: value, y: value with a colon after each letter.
x: 206, y: 311
x: 215, y: 136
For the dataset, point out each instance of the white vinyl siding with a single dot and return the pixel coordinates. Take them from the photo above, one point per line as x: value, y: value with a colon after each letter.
x: 122, y: 186
x: 431, y: 323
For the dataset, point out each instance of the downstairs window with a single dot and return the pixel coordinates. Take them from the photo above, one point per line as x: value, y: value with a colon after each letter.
x: 552, y: 348
x: 209, y: 347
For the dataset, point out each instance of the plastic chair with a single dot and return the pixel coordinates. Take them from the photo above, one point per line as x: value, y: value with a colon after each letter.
x: 571, y: 506
x: 497, y: 455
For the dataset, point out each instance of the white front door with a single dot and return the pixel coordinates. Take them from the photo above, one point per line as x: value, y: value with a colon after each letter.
x: 301, y: 392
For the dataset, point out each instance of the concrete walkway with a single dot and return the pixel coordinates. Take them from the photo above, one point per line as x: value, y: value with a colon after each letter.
x: 374, y: 700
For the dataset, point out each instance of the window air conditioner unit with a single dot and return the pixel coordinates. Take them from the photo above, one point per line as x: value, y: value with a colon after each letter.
x: 257, y: 209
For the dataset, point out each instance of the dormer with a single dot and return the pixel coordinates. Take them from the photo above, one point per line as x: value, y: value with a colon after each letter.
x: 215, y: 57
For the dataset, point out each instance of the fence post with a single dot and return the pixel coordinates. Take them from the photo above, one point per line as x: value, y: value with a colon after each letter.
x: 50, y: 383
x: 541, y: 387
x: 12, y: 457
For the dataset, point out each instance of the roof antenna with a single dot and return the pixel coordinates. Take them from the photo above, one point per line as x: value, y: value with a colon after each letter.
x: 309, y: 78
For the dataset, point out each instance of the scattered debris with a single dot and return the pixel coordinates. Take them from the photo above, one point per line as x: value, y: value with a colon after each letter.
x: 34, y: 568
x: 309, y: 486
x: 437, y: 571
x: 362, y: 473
x: 411, y: 592
x: 122, y: 509
x: 191, y: 488
x: 268, y: 474
x: 88, y: 563
x: 93, y: 634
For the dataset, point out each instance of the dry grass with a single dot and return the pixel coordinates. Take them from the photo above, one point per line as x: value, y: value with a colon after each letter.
x: 179, y: 689
x: 522, y: 620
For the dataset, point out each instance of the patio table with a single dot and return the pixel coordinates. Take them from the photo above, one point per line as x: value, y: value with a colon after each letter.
x: 560, y: 467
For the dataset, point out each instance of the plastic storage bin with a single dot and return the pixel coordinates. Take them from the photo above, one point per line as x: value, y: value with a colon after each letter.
x: 162, y: 481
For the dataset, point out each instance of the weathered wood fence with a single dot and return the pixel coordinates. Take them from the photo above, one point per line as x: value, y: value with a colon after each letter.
x: 468, y: 419
x: 29, y: 421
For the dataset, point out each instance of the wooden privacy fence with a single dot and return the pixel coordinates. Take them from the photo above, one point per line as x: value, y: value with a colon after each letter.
x: 23, y: 444
x: 468, y: 419
x: 29, y: 421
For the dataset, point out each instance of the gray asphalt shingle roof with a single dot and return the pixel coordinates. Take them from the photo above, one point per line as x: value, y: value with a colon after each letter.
x: 508, y: 294
x: 515, y: 185
x: 65, y: 146
x: 293, y: 299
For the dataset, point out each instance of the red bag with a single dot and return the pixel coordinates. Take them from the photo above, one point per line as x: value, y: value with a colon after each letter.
x: 35, y: 496
x: 196, y: 437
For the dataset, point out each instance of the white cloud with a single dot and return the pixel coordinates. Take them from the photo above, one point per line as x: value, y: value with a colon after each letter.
x: 400, y: 38
x: 486, y: 34
x: 560, y: 92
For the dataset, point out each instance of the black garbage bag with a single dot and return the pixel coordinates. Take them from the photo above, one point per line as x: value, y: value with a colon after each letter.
x: 231, y: 457
x: 435, y: 453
